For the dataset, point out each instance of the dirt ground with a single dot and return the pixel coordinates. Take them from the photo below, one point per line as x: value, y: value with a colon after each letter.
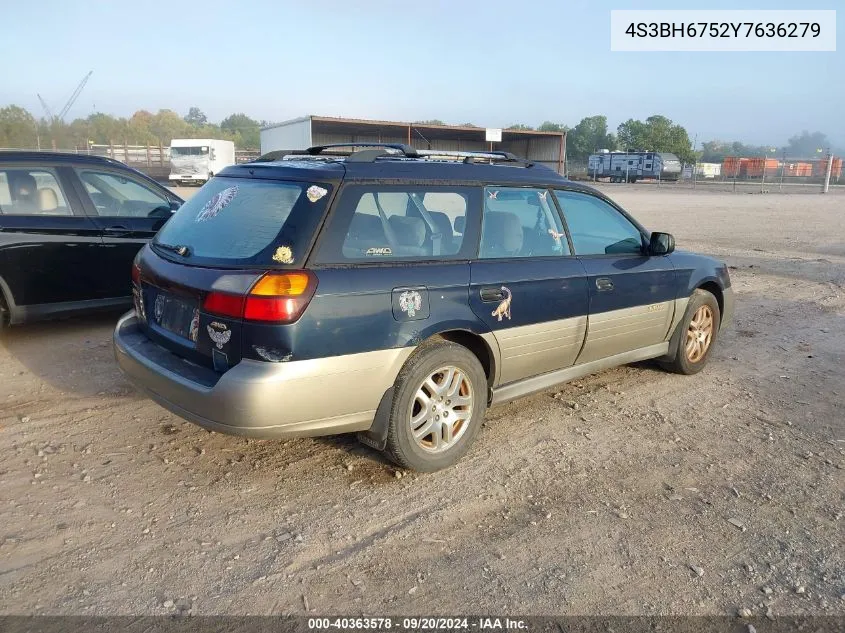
x: 629, y: 492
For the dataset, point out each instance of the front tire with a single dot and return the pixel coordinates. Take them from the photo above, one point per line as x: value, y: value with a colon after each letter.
x: 696, y: 334
x: 440, y: 397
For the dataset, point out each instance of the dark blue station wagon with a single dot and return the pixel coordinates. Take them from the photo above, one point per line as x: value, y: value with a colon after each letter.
x: 397, y: 294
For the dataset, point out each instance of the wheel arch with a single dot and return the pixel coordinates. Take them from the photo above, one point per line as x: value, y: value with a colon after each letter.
x: 486, y: 351
x: 479, y: 346
x: 716, y: 290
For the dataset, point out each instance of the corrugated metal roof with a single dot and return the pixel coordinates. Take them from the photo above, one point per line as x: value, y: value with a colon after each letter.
x: 367, y: 123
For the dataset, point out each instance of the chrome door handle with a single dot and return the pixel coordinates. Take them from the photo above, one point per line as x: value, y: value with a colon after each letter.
x: 492, y: 294
x: 604, y: 284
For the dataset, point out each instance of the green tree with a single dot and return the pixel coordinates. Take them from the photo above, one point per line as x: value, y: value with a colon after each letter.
x: 806, y: 145
x: 17, y: 127
x: 246, y: 132
x: 588, y: 136
x: 520, y: 127
x: 549, y: 126
x: 196, y: 117
x: 657, y: 133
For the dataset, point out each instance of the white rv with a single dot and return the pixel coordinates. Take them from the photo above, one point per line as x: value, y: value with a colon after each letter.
x: 195, y: 160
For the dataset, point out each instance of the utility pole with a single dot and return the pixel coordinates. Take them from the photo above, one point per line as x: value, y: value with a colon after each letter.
x: 782, y: 168
x: 765, y: 163
x: 694, y: 160
x: 829, y: 170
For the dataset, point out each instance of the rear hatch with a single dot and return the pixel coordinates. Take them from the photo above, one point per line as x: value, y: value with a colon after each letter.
x: 231, y: 256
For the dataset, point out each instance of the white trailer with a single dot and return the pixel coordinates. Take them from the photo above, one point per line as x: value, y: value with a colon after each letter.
x: 633, y: 166
x: 196, y: 160
x: 708, y: 170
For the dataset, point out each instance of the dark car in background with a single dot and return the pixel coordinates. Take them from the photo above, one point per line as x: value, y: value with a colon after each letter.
x: 70, y: 226
x: 397, y: 293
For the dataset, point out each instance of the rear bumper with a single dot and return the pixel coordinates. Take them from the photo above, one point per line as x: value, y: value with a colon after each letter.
x: 326, y: 396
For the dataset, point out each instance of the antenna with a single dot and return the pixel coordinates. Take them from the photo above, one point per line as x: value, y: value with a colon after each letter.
x: 74, y: 96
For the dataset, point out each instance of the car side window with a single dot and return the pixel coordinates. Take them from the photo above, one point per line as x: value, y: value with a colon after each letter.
x: 596, y: 227
x: 520, y: 222
x: 390, y: 222
x: 114, y: 194
x: 33, y: 191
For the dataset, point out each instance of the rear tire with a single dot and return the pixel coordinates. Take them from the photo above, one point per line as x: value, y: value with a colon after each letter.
x: 697, y: 333
x: 439, y: 401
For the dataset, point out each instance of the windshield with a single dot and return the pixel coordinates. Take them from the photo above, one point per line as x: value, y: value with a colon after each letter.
x: 189, y: 151
x: 245, y: 221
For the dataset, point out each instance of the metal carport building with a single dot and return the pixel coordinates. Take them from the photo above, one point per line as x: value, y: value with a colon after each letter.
x: 548, y: 148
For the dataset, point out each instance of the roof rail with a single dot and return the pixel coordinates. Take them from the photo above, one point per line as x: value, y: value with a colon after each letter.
x: 406, y: 150
x: 371, y: 152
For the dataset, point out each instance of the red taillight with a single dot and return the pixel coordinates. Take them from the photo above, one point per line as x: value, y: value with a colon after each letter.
x: 276, y: 298
x: 272, y: 309
x: 224, y: 304
x: 136, y: 273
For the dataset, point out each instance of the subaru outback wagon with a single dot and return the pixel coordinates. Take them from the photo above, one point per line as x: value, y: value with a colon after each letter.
x: 397, y: 293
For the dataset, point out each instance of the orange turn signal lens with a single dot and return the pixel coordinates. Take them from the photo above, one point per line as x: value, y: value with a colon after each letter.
x: 281, y: 285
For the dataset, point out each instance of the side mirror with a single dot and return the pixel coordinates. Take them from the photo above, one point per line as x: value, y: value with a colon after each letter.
x: 661, y: 244
x: 174, y: 206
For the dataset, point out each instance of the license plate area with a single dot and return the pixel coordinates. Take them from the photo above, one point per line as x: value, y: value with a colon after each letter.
x: 175, y: 314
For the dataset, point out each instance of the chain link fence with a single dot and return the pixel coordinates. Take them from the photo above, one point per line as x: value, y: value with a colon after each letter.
x: 738, y: 174
x: 153, y: 160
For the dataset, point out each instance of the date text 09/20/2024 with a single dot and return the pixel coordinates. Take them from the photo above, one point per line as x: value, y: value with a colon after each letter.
x: 419, y: 624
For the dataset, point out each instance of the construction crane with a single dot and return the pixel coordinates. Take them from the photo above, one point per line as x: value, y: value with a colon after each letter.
x: 69, y: 103
x: 47, y: 110
x: 74, y: 96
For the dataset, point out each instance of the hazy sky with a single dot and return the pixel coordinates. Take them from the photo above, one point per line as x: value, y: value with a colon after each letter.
x: 489, y: 62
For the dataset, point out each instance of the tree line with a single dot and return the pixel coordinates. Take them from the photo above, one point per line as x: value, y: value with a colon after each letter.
x: 660, y: 134
x: 19, y: 128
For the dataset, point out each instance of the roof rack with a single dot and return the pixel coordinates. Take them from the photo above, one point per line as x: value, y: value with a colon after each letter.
x: 405, y: 150
x: 371, y: 152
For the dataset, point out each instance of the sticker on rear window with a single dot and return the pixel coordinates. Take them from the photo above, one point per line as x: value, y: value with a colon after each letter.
x: 217, y: 203
x: 493, y: 195
x: 314, y: 193
x: 283, y: 255
x: 383, y: 250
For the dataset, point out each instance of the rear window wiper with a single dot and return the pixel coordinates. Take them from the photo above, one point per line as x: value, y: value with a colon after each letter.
x: 179, y: 249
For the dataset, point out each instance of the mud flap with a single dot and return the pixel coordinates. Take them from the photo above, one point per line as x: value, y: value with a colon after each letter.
x: 376, y: 436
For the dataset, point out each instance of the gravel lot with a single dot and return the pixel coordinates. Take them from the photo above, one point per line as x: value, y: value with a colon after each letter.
x: 630, y: 492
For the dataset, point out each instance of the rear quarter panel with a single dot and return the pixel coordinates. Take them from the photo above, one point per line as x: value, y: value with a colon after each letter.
x: 354, y: 311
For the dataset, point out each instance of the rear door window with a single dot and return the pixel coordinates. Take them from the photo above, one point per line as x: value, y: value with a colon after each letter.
x: 394, y: 222
x: 118, y: 195
x: 520, y: 222
x: 29, y: 191
x: 243, y: 221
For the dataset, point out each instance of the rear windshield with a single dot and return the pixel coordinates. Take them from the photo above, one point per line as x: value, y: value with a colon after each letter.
x: 243, y: 221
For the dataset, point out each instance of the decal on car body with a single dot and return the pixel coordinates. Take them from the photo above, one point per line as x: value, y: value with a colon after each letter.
x: 219, y: 333
x: 410, y: 302
x: 283, y: 255
x: 194, y: 331
x: 504, y: 307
